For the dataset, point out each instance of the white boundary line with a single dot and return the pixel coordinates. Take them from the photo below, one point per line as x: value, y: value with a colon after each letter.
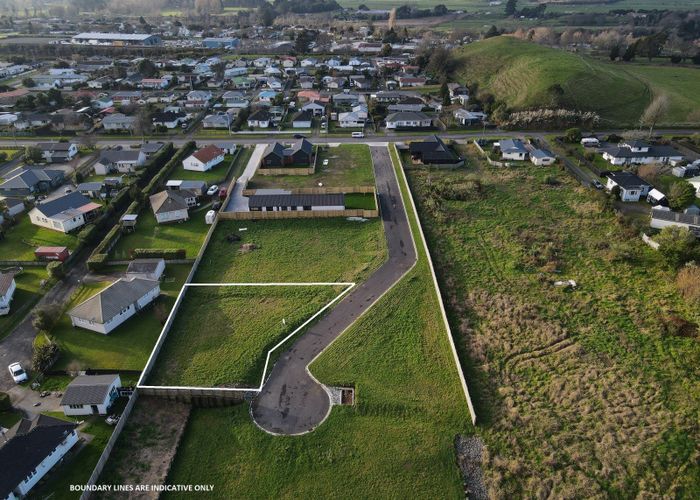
x: 348, y: 286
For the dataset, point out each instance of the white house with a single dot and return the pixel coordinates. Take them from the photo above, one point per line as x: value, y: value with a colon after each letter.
x: 302, y: 120
x: 66, y: 213
x: 632, y: 188
x: 57, y: 152
x: 30, y: 449
x: 204, y: 159
x: 90, y: 394
x: 315, y: 107
x: 408, y: 119
x: 640, y: 153
x: 351, y: 119
x: 106, y: 310
x: 172, y: 206
x: 512, y: 149
x: 120, y: 160
x: 7, y: 291
x: 542, y: 157
x: 118, y: 121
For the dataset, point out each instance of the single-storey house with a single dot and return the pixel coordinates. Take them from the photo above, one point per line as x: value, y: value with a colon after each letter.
x: 466, y: 118
x: 632, y: 187
x: 57, y: 152
x: 151, y: 148
x: 31, y: 180
x: 151, y: 269
x: 352, y: 119
x: 172, y: 206
x: 640, y: 153
x: 512, y: 149
x: 293, y: 202
x: 66, y: 213
x: 302, y: 119
x: 408, y: 119
x: 259, y: 119
x: 90, y: 189
x: 298, y: 154
x: 228, y: 147
x: 169, y: 119
x: 29, y: 451
x: 90, y: 395
x: 7, y: 291
x: 689, y: 218
x: 314, y: 107
x: 204, y: 159
x: 14, y: 206
x: 109, y: 308
x: 217, y: 120
x: 119, y: 160
x: 118, y: 122
x: 433, y: 151
x: 542, y: 157
x: 197, y: 187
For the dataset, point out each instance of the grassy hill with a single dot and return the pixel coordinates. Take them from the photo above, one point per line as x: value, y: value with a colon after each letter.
x: 523, y: 74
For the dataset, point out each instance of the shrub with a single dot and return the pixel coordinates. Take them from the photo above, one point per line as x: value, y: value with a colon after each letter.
x: 5, y: 401
x: 55, y: 270
x: 97, y: 261
x: 681, y: 195
x: 88, y: 234
x: 573, y: 135
x: 677, y: 245
x: 44, y: 356
x: 158, y: 253
x: 45, y: 317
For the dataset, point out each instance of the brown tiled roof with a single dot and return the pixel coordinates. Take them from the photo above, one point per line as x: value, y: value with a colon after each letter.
x: 207, y: 154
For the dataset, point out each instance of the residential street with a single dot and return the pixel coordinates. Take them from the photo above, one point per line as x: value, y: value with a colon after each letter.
x: 292, y: 401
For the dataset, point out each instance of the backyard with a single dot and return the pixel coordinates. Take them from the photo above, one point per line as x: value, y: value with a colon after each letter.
x: 589, y: 381
x: 127, y: 347
x: 27, y: 294
x: 349, y: 165
x: 22, y: 239
x: 243, y: 324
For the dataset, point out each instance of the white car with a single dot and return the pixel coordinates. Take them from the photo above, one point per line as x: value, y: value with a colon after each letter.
x: 325, y: 162
x: 213, y: 190
x: 18, y: 374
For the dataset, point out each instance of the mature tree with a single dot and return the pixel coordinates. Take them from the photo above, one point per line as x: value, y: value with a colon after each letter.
x: 656, y: 111
x: 573, y: 135
x: 614, y: 52
x: 441, y: 63
x: 146, y: 68
x: 629, y: 54
x: 144, y: 122
x: 677, y: 245
x: 445, y: 94
x: 511, y: 7
x: 32, y: 155
x: 492, y: 31
x: 681, y: 195
x: 28, y: 82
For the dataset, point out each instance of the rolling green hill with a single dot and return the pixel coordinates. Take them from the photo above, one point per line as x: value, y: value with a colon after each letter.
x: 524, y: 76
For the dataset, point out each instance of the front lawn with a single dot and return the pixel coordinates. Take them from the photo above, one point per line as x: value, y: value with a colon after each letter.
x: 349, y: 165
x: 129, y: 346
x: 188, y: 235
x: 215, y: 175
x: 27, y: 294
x: 23, y: 238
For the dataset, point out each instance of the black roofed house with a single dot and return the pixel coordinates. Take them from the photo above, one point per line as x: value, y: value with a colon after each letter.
x: 632, y: 187
x: 57, y: 152
x: 169, y: 119
x: 151, y: 148
x: 640, y: 153
x: 302, y: 119
x: 29, y: 450
x: 407, y: 103
x: 298, y: 154
x: 120, y: 160
x: 90, y: 394
x: 433, y: 151
x: 260, y: 119
x: 408, y: 119
x: 294, y: 202
x: 31, y: 180
x: 65, y: 213
x: 90, y: 189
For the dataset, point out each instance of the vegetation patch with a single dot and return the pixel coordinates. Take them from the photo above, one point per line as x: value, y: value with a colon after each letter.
x: 27, y: 294
x: 23, y: 238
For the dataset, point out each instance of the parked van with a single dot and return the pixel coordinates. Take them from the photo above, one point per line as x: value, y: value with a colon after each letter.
x: 358, y: 135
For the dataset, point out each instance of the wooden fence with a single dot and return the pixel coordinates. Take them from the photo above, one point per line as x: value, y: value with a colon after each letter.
x: 322, y: 190
x: 198, y: 395
x: 298, y: 214
x: 286, y: 171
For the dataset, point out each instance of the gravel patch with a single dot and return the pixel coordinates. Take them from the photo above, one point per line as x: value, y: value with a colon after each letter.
x: 469, y: 452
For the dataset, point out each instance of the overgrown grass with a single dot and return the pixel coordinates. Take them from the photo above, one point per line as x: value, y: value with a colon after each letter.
x: 127, y: 347
x: 242, y: 325
x: 27, y: 294
x: 22, y: 239
x: 583, y: 387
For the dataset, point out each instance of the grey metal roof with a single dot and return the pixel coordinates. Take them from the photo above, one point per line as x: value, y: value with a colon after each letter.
x: 28, y: 178
x: 512, y: 146
x: 106, y: 304
x: 120, y: 155
x: 90, y: 186
x: 88, y: 390
x: 54, y: 146
x: 70, y: 201
x: 296, y: 200
x: 143, y: 266
x: 131, y: 37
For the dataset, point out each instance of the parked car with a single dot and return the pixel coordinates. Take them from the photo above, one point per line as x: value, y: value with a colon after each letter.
x: 299, y: 136
x: 596, y: 184
x: 222, y: 193
x: 212, y: 190
x: 18, y: 373
x: 112, y: 419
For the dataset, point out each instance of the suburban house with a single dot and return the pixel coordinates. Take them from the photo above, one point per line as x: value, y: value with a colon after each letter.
x: 172, y: 206
x: 632, y: 188
x: 109, y: 308
x: 151, y: 148
x: 408, y: 103
x: 298, y: 154
x: 314, y: 107
x: 204, y: 159
x: 302, y: 120
x: 466, y: 118
x: 119, y: 160
x: 293, y: 202
x: 259, y: 119
x: 542, y: 157
x: 151, y: 269
x: 197, y: 187
x: 118, y: 121
x: 29, y: 450
x: 512, y: 149
x: 66, y: 213
x: 31, y: 180
x: 169, y: 119
x: 14, y: 206
x: 640, y: 153
x: 411, y: 81
x: 228, y: 147
x: 433, y: 151
x: 7, y: 291
x: 689, y: 219
x: 217, y: 120
x: 408, y: 119
x: 57, y: 152
x: 90, y: 395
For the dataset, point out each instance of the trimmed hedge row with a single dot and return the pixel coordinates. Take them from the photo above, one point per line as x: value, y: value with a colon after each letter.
x: 158, y: 253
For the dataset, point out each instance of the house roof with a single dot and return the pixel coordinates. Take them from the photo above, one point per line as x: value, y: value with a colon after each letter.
x: 144, y: 266
x: 207, y: 153
x: 88, y: 390
x: 627, y: 180
x: 512, y: 146
x: 71, y: 201
x: 541, y: 154
x: 432, y: 148
x: 152, y: 147
x: 302, y: 116
x: 120, y: 156
x: 169, y: 201
x: 54, y: 146
x: 6, y: 280
x: 106, y: 304
x: 296, y: 200
x: 654, y: 151
x: 28, y: 178
x: 28, y: 443
x: 89, y: 186
x: 403, y: 116
x: 260, y: 115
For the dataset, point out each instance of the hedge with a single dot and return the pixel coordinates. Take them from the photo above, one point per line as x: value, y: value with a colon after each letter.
x: 97, y: 261
x: 158, y: 253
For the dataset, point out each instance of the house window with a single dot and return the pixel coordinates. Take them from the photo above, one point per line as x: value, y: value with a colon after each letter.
x: 75, y: 407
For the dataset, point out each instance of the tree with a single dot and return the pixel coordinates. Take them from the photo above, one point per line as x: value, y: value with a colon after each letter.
x: 657, y: 110
x: 32, y: 155
x: 445, y: 94
x: 492, y: 32
x: 629, y: 54
x: 44, y: 356
x: 386, y: 49
x: 614, y: 52
x: 441, y: 63
x: 28, y: 82
x: 681, y: 195
x: 677, y: 245
x: 511, y: 7
x: 45, y: 317
x: 146, y: 68
x: 573, y: 135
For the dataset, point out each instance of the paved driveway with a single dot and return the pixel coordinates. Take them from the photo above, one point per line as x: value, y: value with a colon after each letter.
x: 237, y: 202
x: 293, y: 402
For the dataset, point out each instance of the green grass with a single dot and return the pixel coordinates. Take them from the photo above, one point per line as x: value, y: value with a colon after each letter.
x: 216, y: 174
x: 27, y: 294
x: 321, y: 250
x: 546, y: 364
x: 521, y: 74
x: 364, y: 201
x: 397, y: 442
x: 22, y: 239
x: 483, y: 5
x: 188, y: 235
x: 349, y: 165
x: 9, y: 418
x: 243, y: 324
x: 127, y: 347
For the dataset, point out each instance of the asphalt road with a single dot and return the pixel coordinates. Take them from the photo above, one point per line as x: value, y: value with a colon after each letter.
x: 292, y: 401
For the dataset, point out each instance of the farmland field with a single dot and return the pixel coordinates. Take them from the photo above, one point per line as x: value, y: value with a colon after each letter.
x: 22, y: 239
x: 396, y: 442
x: 589, y: 387
x: 242, y: 325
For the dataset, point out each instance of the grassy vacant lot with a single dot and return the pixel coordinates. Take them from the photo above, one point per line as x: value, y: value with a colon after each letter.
x: 149, y: 234
x: 582, y: 387
x: 242, y: 325
x: 522, y: 74
x: 396, y: 442
x: 127, y: 347
x: 27, y: 294
x: 324, y: 250
x: 349, y: 165
x: 22, y: 239
x: 216, y: 174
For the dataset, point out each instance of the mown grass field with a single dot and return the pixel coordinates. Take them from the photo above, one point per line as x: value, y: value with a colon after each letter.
x: 22, y: 239
x: 127, y: 347
x: 396, y: 442
x: 522, y: 74
x: 321, y: 250
x: 349, y: 165
x: 188, y: 235
x: 27, y: 294
x: 583, y: 387
x: 242, y: 325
